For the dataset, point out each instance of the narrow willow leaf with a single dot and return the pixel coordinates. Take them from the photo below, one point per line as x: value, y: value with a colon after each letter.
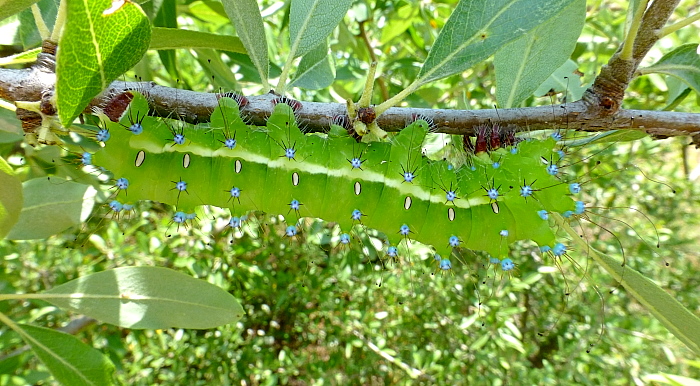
x: 13, y: 7
x: 683, y: 63
x: 52, y: 206
x: 311, y: 21
x: 565, y: 79
x: 99, y: 43
x: 478, y: 28
x: 70, y: 361
x: 669, y: 311
x: 607, y: 137
x: 22, y: 57
x: 171, y: 38
x: 147, y: 297
x: 10, y: 198
x: 245, y: 16
x: 524, y: 64
x: 316, y: 69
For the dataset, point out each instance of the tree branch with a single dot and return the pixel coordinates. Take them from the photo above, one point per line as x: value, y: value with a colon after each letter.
x: 598, y: 110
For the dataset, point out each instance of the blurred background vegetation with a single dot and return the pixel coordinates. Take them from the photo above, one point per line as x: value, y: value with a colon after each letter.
x: 319, y: 314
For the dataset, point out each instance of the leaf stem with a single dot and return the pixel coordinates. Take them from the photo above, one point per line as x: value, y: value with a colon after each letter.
x: 366, y: 97
x: 675, y: 27
x: 628, y: 44
x: 60, y: 21
x: 39, y: 20
x: 396, y: 99
x: 282, y: 82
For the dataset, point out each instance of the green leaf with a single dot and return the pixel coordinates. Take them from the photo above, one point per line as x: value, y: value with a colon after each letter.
x: 524, y: 64
x: 245, y: 16
x: 683, y: 63
x: 607, y: 137
x: 98, y: 44
x: 398, y: 25
x: 13, y: 7
x: 669, y: 311
x: 316, y: 69
x: 311, y: 21
x: 52, y: 206
x: 171, y: 38
x: 478, y: 28
x: 147, y: 297
x: 564, y: 80
x: 70, y: 361
x: 22, y: 57
x: 10, y: 198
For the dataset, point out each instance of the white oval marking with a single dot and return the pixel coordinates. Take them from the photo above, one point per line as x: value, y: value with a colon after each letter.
x: 140, y: 158
x: 186, y: 161
x: 451, y: 214
x: 295, y: 178
x: 358, y: 188
x: 238, y: 166
x: 407, y: 203
x: 495, y: 207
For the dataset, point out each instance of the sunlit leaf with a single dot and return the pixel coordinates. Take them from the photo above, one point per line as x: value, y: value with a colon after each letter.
x: 70, y: 361
x: 12, y: 7
x: 683, y: 63
x: 52, y: 206
x: 478, y: 28
x: 99, y: 43
x: 147, y: 297
x: 311, y: 21
x: 171, y: 38
x: 10, y: 198
x: 245, y: 16
x: 524, y: 64
x: 315, y: 70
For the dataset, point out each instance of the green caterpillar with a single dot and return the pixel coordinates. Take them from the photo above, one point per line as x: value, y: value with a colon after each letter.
x: 499, y: 198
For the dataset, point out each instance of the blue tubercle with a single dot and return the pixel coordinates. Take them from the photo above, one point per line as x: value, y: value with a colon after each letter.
x: 291, y: 231
x: 454, y: 241
x: 290, y: 153
x: 543, y: 214
x: 507, y: 265
x: 545, y: 248
x: 575, y: 188
x: 450, y: 195
x: 445, y: 264
x: 559, y: 249
x: 345, y: 238
x: 136, y: 128
x: 494, y: 260
x: 235, y: 192
x: 179, y: 217
x: 122, y: 183
x: 181, y: 185
x: 392, y: 251
x: 526, y: 190
x: 356, y: 163
x: 230, y: 143
x: 496, y: 165
x: 179, y: 139
x: 568, y: 214
x: 127, y: 207
x: 556, y: 136
x: 235, y: 222
x: 580, y: 207
x: 492, y: 193
x: 116, y: 206
x: 504, y: 233
x: 553, y: 169
x: 408, y: 177
x: 514, y: 150
x: 404, y: 230
x: 356, y: 215
x: 86, y: 159
x: 102, y: 135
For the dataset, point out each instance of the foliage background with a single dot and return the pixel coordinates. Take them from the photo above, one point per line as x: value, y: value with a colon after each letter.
x: 311, y: 317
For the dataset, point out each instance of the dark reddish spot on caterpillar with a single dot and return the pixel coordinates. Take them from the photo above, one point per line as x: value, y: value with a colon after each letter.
x: 366, y: 115
x: 114, y: 109
x: 240, y: 99
x: 293, y: 103
x: 495, y: 141
x: 482, y: 133
x: 508, y: 136
x: 343, y: 121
